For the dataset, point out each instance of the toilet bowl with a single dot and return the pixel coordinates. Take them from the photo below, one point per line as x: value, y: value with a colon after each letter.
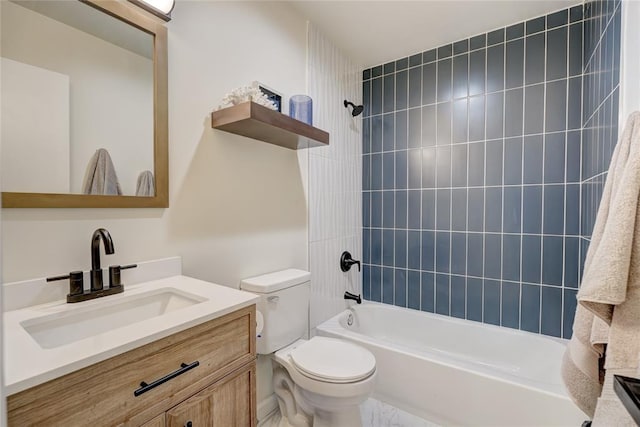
x: 320, y: 381
x: 331, y: 378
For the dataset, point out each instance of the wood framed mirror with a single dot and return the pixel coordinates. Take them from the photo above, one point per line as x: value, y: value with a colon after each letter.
x: 102, y: 121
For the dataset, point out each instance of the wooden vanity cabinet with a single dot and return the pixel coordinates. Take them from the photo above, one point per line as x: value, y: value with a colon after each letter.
x: 218, y: 391
x: 225, y: 403
x: 156, y: 422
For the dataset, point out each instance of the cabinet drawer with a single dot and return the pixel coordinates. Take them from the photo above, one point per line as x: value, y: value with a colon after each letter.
x: 103, y: 394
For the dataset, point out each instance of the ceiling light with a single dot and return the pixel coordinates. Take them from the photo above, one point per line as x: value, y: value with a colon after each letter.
x: 160, y: 8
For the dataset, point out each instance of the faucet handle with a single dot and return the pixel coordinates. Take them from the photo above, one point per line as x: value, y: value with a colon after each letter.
x: 114, y: 274
x: 76, y: 281
x: 346, y: 261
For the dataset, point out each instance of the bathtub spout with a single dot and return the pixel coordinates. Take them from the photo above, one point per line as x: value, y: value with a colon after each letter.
x: 356, y: 298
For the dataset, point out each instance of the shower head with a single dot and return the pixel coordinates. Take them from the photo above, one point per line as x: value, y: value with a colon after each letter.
x: 357, y: 109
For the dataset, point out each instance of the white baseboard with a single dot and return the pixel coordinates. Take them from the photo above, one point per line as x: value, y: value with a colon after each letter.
x: 266, y: 407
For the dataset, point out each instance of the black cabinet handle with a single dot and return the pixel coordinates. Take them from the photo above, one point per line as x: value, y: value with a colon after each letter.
x: 188, y: 424
x: 144, y: 387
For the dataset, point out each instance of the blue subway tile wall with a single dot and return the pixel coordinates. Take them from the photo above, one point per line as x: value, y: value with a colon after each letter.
x: 601, y: 78
x: 600, y: 106
x: 483, y: 165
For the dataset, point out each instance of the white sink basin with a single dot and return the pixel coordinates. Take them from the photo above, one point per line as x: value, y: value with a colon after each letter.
x: 47, y: 341
x: 55, y: 330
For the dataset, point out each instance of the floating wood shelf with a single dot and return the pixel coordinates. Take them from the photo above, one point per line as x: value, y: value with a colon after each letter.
x: 261, y: 123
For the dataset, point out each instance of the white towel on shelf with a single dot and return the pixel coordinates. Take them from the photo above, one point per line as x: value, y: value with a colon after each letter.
x: 607, y: 323
x: 146, y: 184
x: 100, y: 177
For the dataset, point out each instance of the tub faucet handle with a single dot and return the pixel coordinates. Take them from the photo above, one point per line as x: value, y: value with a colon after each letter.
x: 346, y: 262
x: 356, y: 298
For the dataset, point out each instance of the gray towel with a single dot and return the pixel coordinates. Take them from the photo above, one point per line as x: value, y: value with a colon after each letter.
x: 101, y: 177
x: 146, y: 186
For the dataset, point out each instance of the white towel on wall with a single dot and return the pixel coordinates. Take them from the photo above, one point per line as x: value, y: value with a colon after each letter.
x: 100, y: 177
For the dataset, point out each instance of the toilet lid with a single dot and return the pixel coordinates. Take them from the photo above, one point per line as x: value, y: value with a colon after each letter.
x: 333, y: 360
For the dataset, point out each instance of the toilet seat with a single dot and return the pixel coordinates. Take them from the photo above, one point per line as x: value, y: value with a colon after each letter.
x: 333, y: 360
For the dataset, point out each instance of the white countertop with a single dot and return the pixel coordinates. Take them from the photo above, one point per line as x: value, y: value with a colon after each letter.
x: 27, y: 364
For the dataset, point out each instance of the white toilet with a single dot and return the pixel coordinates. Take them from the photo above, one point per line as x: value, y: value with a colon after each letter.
x: 320, y: 381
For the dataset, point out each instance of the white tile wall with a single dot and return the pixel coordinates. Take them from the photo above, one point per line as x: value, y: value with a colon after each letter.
x: 630, y: 67
x: 335, y: 178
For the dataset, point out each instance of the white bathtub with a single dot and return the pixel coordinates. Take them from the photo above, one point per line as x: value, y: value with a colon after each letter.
x: 453, y: 371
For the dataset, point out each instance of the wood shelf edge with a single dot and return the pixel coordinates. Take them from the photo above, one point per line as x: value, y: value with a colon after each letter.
x: 258, y: 122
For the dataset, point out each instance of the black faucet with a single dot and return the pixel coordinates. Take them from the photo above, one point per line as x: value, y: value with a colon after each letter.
x: 346, y: 261
x: 76, y: 287
x: 356, y: 298
x: 96, y: 270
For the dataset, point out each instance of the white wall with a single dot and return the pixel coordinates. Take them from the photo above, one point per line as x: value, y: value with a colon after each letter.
x: 111, y: 91
x: 34, y: 110
x: 335, y: 178
x: 630, y: 61
x: 237, y: 206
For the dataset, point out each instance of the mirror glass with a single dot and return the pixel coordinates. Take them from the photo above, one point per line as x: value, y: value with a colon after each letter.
x: 77, y: 101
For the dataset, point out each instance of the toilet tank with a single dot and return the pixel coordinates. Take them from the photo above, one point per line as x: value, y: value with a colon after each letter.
x: 284, y: 305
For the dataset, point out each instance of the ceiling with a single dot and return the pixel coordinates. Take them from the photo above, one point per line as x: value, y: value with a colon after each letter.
x: 375, y: 32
